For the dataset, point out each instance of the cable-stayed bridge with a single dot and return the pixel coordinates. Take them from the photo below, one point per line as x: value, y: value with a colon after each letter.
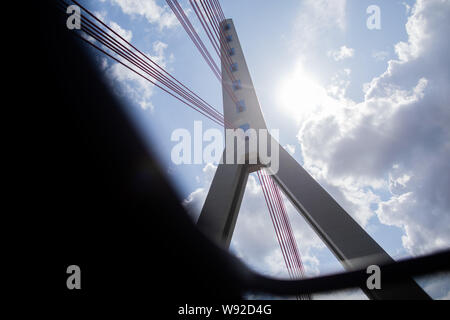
x: 353, y: 247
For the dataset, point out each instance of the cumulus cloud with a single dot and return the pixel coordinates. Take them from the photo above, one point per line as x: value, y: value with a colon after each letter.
x: 125, y: 82
x: 129, y: 84
x: 396, y: 140
x: 385, y: 157
x: 318, y: 18
x: 407, y: 7
x: 437, y: 285
x: 155, y: 14
x: 126, y: 34
x: 342, y: 53
x: 194, y: 202
x: 159, y: 57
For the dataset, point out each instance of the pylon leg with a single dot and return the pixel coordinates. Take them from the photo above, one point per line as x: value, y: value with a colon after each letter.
x: 348, y: 241
x: 219, y: 214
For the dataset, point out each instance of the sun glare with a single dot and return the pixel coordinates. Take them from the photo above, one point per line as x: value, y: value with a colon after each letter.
x: 300, y: 95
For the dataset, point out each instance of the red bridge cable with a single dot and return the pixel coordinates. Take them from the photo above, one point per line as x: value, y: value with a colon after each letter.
x: 289, y: 229
x: 148, y: 69
x: 126, y: 56
x: 276, y: 225
x: 179, y: 13
x: 218, y: 6
x: 222, y: 43
x: 223, y: 55
x: 198, y: 43
x: 269, y: 206
x: 278, y: 212
x: 144, y: 77
x: 146, y: 57
x: 289, y: 236
x: 219, y: 29
x: 205, y: 26
x: 279, y: 199
x: 188, y: 26
x: 280, y: 225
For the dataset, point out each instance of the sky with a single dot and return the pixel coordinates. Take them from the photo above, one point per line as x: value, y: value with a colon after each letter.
x: 365, y: 111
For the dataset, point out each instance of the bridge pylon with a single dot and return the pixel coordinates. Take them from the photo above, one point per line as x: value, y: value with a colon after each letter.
x: 346, y: 239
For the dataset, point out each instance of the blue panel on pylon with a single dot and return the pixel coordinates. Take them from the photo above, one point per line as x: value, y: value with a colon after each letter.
x: 237, y: 85
x: 227, y: 27
x: 232, y: 52
x: 240, y: 106
x: 229, y: 38
x: 234, y: 67
x: 245, y: 127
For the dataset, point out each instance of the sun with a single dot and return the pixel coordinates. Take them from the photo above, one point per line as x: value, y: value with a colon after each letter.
x: 300, y: 95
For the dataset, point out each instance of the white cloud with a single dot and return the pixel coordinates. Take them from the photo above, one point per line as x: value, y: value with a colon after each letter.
x: 437, y: 285
x: 318, y: 19
x: 396, y: 141
x: 159, y: 48
x: 126, y: 34
x: 407, y: 7
x: 325, y: 14
x: 194, y: 202
x: 342, y: 53
x: 129, y: 84
x: 339, y: 84
x: 155, y: 14
x: 101, y: 15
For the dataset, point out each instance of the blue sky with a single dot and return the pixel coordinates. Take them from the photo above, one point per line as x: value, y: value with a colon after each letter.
x: 365, y: 111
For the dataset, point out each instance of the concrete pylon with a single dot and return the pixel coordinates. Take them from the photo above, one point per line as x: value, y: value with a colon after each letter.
x: 348, y: 241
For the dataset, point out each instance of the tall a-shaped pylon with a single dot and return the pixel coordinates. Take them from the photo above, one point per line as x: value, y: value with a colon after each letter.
x: 351, y: 245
